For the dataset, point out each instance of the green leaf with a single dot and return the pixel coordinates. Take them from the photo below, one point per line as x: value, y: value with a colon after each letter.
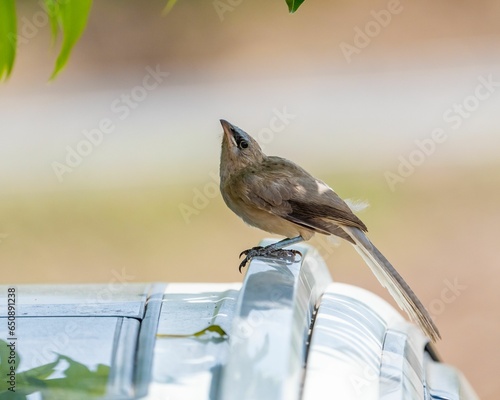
x: 72, y: 16
x: 293, y: 5
x: 4, y: 357
x: 79, y: 382
x: 32, y: 380
x: 79, y: 378
x: 8, y: 37
x: 211, y: 328
x: 42, y: 372
x: 52, y: 8
x: 26, y: 382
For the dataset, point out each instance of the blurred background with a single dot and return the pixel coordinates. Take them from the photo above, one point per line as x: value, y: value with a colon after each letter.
x: 112, y: 169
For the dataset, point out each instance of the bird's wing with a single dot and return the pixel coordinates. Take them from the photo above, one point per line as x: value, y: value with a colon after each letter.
x: 284, y: 189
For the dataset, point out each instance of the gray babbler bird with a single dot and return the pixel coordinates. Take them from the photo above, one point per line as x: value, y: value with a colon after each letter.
x: 278, y: 196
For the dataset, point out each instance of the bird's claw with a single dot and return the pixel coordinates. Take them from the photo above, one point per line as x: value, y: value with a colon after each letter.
x: 247, y: 251
x: 249, y: 254
x: 259, y: 251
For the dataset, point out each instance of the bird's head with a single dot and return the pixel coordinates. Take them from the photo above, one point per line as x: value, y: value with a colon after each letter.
x: 239, y: 149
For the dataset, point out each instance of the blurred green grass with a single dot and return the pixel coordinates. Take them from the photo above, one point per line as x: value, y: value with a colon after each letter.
x: 82, y: 235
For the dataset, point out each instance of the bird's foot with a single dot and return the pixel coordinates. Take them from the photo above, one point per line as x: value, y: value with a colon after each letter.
x: 259, y: 251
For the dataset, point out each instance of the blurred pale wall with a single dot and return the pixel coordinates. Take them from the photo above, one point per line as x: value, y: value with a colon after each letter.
x: 144, y: 203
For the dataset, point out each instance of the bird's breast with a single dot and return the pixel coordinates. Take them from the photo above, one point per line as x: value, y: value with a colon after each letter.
x: 262, y: 219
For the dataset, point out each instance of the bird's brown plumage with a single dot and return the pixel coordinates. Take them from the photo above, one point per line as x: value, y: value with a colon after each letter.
x: 275, y: 191
x: 278, y: 196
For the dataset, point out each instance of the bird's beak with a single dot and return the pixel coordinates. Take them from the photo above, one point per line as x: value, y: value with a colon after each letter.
x: 233, y: 133
x: 230, y: 131
x: 228, y: 128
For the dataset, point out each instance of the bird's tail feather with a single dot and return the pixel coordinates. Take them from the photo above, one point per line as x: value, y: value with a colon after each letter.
x: 395, y: 284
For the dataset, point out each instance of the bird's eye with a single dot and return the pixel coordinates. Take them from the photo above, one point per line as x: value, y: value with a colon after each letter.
x: 243, y: 144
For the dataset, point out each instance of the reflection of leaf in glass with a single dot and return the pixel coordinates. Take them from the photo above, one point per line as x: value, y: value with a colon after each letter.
x: 79, y: 380
x: 29, y: 381
x: 5, y: 370
x: 4, y: 356
x: 211, y: 328
x: 78, y: 383
x: 32, y: 380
